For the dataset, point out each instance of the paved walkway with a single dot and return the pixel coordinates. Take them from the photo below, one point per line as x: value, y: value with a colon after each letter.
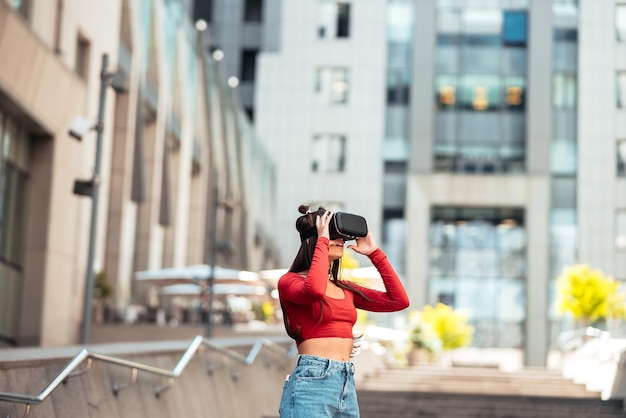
x: 115, y: 333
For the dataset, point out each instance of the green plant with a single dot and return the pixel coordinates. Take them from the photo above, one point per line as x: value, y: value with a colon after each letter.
x: 422, y: 335
x: 589, y: 295
x: 102, y: 288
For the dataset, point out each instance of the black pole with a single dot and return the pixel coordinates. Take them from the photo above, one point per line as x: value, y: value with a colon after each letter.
x: 87, y: 304
x: 212, y: 261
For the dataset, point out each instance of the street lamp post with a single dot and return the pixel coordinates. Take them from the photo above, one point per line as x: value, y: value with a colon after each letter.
x: 105, y: 78
x: 212, y: 261
x: 215, y: 246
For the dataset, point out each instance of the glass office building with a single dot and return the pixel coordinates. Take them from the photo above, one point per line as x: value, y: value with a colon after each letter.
x: 502, y: 142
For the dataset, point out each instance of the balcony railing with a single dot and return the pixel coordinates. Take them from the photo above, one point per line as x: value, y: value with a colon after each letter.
x: 198, y: 344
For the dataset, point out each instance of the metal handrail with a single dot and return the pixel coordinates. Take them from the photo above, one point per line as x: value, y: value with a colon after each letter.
x: 71, y: 369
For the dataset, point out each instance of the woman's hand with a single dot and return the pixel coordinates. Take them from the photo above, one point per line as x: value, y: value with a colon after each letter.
x: 321, y: 223
x: 365, y: 245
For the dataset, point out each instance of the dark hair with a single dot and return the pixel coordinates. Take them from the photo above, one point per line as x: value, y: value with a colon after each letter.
x: 302, y: 262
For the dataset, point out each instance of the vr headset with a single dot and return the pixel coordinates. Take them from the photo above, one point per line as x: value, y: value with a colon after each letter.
x: 342, y: 225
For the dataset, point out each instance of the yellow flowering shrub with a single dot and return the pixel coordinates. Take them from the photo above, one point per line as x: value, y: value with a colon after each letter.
x: 449, y: 324
x: 589, y: 295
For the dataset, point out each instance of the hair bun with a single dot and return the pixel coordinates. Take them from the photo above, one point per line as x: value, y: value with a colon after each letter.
x: 303, y: 209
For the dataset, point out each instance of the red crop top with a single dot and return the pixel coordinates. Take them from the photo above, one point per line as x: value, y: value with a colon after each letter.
x: 300, y: 297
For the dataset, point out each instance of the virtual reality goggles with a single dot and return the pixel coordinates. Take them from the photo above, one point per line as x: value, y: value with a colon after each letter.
x: 342, y: 225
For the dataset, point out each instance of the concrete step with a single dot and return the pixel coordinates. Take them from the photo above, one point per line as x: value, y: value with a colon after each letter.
x: 401, y: 404
x: 439, y: 379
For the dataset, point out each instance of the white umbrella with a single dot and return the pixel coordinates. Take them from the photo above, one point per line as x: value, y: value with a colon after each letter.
x: 195, y: 274
x: 272, y: 276
x: 190, y: 289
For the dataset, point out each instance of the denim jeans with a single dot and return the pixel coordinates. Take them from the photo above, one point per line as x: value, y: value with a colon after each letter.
x: 319, y: 387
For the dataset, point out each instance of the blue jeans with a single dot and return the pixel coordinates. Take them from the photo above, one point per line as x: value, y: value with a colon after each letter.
x: 319, y: 387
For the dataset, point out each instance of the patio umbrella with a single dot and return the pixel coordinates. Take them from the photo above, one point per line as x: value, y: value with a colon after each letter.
x: 196, y: 274
x: 194, y: 290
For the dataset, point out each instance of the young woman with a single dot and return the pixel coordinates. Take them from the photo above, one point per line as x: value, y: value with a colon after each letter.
x: 319, y: 311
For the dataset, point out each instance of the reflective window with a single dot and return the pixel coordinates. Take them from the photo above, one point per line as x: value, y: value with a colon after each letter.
x: 446, y: 87
x: 13, y: 192
x: 343, y: 20
x: 482, y: 61
x: 563, y: 156
x: 564, y: 91
x: 620, y: 22
x: 248, y: 64
x: 564, y: 124
x: 480, y: 54
x: 399, y: 20
x: 480, y: 92
x: 328, y: 152
x: 515, y: 27
x: 334, y: 19
x: 515, y: 93
x: 620, y: 89
x: 398, y: 82
x: 477, y: 262
x: 447, y: 54
x: 514, y: 60
x: 253, y: 11
x: 565, y: 13
x: 563, y: 192
x: 332, y: 85
x: 565, y: 53
x: 621, y: 158
x: 399, y: 55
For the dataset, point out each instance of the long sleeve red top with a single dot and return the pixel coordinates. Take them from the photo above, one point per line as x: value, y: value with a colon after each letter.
x: 300, y: 297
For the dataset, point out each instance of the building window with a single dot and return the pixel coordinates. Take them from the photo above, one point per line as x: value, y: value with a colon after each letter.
x: 620, y: 89
x: 331, y: 84
x: 334, y: 19
x: 446, y: 92
x: 203, y: 10
x: 477, y: 262
x: 398, y: 82
x: 481, y: 92
x: 250, y: 113
x: 620, y: 23
x: 343, y: 20
x: 621, y: 158
x: 620, y: 229
x: 563, y: 157
x: 14, y: 168
x: 515, y: 28
x: 248, y: 64
x: 565, y: 53
x: 564, y: 91
x: 515, y: 93
x: 328, y: 153
x: 253, y: 11
x: 83, y: 47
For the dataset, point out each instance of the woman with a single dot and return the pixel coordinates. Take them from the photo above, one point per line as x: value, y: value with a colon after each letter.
x: 319, y: 311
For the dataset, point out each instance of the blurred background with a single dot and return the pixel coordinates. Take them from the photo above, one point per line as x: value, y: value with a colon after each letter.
x: 148, y: 144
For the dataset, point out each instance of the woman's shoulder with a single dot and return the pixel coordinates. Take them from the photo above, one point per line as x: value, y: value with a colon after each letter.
x: 291, y: 276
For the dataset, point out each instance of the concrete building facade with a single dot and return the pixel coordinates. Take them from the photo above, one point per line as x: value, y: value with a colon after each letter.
x: 177, y: 152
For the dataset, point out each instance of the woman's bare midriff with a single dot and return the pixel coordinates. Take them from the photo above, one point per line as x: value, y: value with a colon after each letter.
x: 332, y: 348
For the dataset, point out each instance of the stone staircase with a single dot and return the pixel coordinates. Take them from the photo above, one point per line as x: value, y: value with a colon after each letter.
x: 432, y: 391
